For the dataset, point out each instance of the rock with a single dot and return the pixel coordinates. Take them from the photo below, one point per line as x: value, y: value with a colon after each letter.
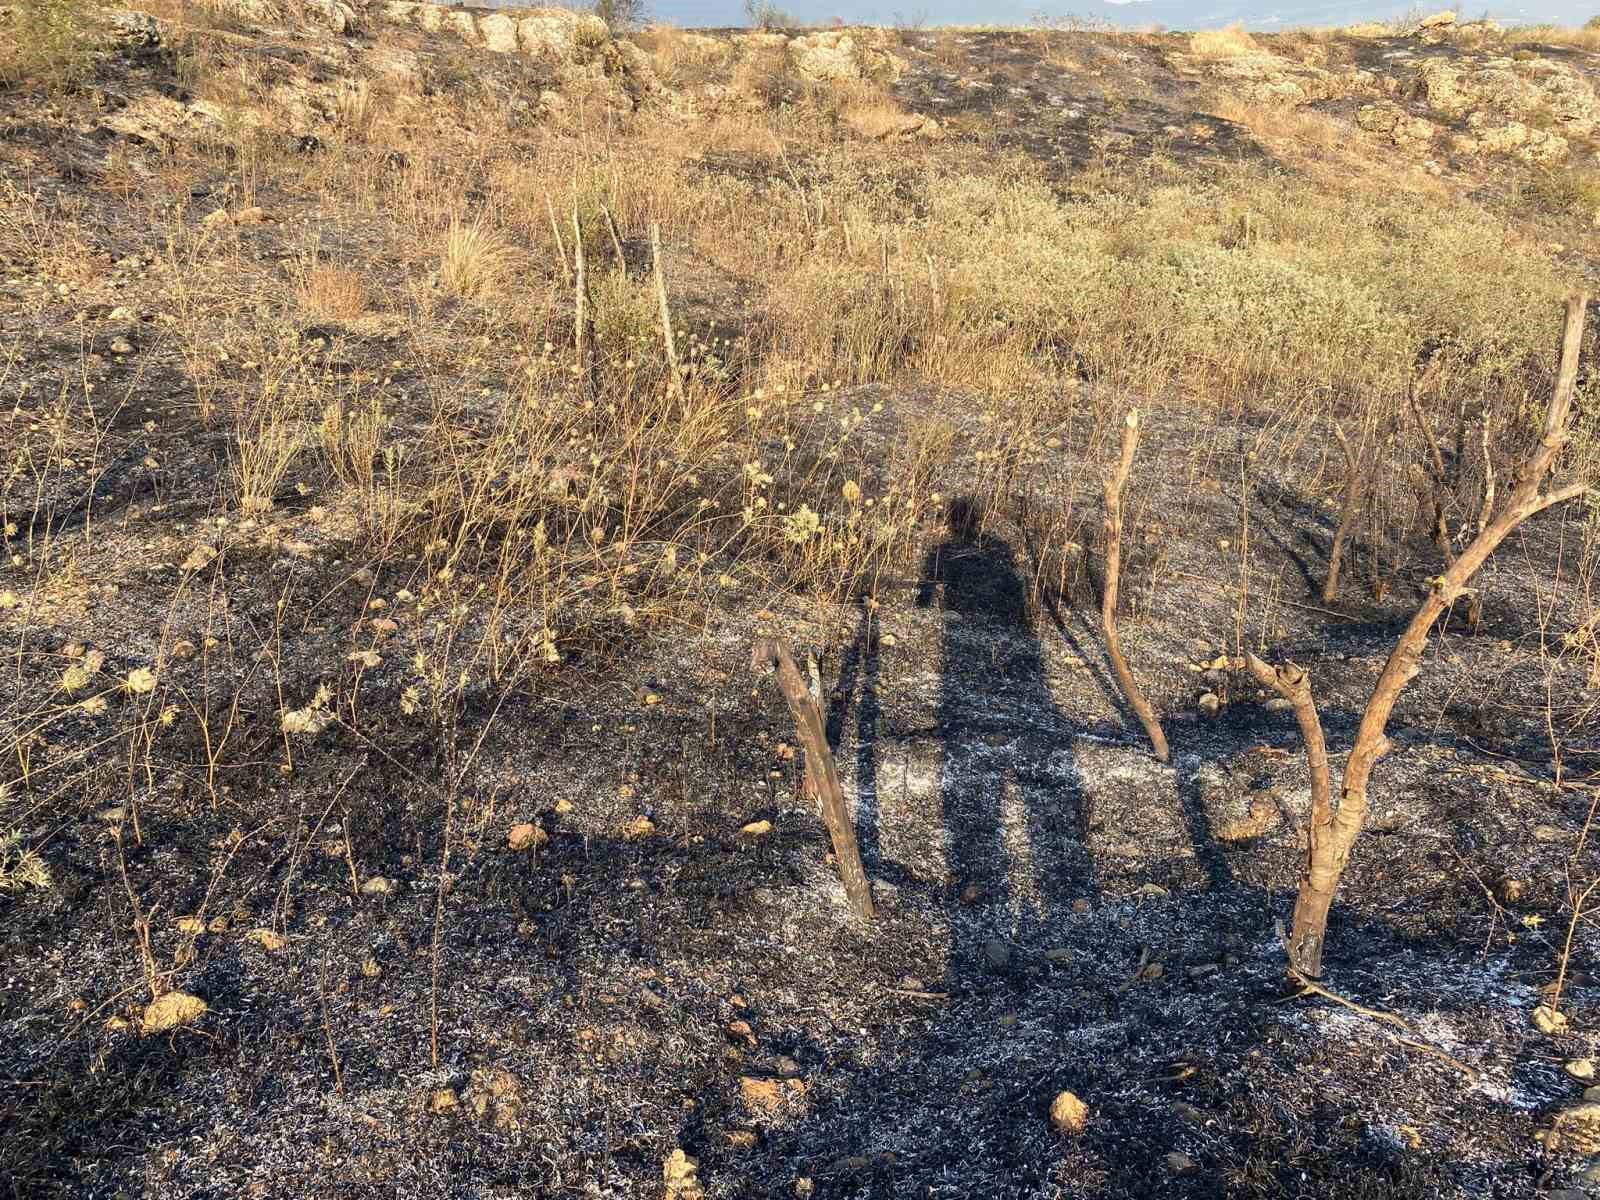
x: 1574, y: 1130
x: 1510, y: 890
x: 1549, y: 1021
x: 1210, y: 704
x: 1548, y: 833
x: 1388, y: 118
x: 1082, y: 905
x: 135, y: 28
x: 682, y: 1177
x: 269, y: 940
x: 443, y: 1100
x: 1277, y: 704
x: 997, y: 954
x: 837, y: 56
x: 378, y: 885
x: 497, y: 1098
x: 121, y: 346
x: 756, y: 829
x: 1581, y: 1068
x: 1069, y: 1114
x: 639, y: 828
x: 1180, y: 1164
x: 764, y: 1095
x: 526, y: 836
x: 1059, y: 955
x: 172, y: 1010
x: 1438, y: 20
x: 499, y: 33
x: 1150, y: 891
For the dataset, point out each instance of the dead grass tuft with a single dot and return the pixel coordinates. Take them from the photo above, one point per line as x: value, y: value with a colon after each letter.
x: 475, y: 262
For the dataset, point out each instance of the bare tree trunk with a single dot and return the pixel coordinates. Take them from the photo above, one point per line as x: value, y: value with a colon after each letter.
x: 1108, y: 601
x: 1333, y: 838
x: 666, y: 312
x: 769, y: 652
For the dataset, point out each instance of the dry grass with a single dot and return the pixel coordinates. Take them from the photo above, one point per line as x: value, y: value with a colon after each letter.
x: 336, y: 293
x: 1232, y: 42
x: 475, y: 262
x: 1585, y: 38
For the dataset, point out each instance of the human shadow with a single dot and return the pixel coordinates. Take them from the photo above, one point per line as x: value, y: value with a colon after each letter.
x: 1008, y: 788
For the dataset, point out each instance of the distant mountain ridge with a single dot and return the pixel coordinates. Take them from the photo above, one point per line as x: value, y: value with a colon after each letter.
x: 1173, y: 14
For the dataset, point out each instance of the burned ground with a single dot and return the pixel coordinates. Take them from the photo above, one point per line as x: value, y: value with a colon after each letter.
x: 397, y: 1000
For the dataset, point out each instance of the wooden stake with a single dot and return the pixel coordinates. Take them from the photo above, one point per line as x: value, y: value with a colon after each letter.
x: 666, y: 313
x: 770, y: 652
x: 616, y: 239
x: 561, y: 247
x: 1108, y: 603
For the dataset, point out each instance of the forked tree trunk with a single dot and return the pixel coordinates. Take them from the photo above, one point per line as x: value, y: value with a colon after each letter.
x: 1108, y: 601
x: 820, y: 767
x: 1334, y: 831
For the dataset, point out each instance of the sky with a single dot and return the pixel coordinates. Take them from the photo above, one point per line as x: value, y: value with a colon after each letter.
x: 1173, y: 14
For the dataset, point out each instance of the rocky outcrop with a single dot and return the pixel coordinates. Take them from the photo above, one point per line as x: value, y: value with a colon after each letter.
x: 838, y: 56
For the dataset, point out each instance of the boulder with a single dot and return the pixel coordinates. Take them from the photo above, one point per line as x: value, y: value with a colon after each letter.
x: 499, y: 33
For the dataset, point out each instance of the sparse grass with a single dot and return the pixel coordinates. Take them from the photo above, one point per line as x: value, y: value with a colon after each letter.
x: 1571, y: 190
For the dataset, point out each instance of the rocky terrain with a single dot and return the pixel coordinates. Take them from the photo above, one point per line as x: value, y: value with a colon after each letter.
x: 409, y: 418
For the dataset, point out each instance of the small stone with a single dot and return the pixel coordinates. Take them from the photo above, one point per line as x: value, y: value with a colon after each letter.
x: 183, y: 651
x: 1592, y: 1094
x: 172, y: 1011
x: 443, y: 1100
x: 787, y: 1067
x: 1069, y: 1114
x: 681, y: 1174
x: 997, y: 954
x: 971, y: 894
x: 1082, y: 905
x: 1549, y: 1021
x: 1278, y: 705
x: 765, y: 1095
x: 1151, y: 891
x: 122, y: 313
x: 526, y: 836
x: 1059, y: 954
x: 1510, y: 890
x: 1210, y: 704
x: 378, y: 885
x: 121, y: 346
x: 1548, y: 833
x: 1180, y: 1164
x: 1581, y: 1068
x: 756, y: 829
